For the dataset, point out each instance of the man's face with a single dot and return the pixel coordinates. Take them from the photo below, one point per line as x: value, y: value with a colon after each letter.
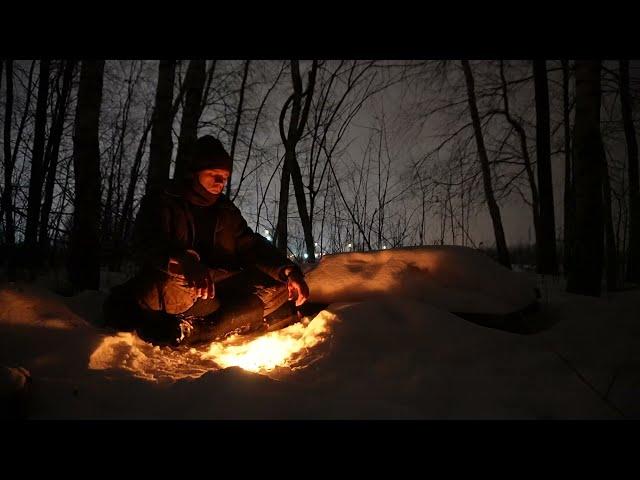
x: 213, y: 180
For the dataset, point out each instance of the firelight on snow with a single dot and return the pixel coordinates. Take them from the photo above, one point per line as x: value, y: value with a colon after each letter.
x: 291, y: 347
x: 282, y: 348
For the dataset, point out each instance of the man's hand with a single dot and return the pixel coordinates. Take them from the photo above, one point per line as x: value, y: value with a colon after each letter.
x: 297, y: 287
x: 196, y: 275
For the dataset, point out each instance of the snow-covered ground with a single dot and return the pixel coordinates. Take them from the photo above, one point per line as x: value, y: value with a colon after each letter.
x: 388, y: 346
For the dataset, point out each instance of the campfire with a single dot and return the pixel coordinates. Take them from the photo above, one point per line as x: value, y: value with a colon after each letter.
x: 291, y: 348
x: 283, y: 348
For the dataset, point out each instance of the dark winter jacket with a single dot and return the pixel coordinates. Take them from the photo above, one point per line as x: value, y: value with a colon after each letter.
x: 165, y: 228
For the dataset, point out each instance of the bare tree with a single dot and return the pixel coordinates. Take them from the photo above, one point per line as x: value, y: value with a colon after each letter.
x: 586, y: 266
x: 569, y: 194
x: 341, y: 93
x: 9, y: 163
x: 161, y: 145
x: 547, y: 262
x: 633, y: 259
x: 194, y: 86
x: 524, y: 150
x: 494, y: 210
x: 126, y: 219
x: 253, y: 134
x: 37, y: 159
x: 297, y: 122
x: 236, y: 126
x: 53, y: 147
x: 84, y: 258
x: 11, y: 189
x: 611, y: 250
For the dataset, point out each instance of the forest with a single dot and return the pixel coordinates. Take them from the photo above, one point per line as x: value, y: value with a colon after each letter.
x: 534, y: 162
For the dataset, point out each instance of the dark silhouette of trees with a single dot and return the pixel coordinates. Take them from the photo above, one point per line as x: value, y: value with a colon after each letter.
x: 569, y: 194
x: 161, y: 144
x: 53, y: 147
x: 291, y: 167
x: 9, y: 159
x: 546, y: 238
x: 37, y: 161
x: 633, y: 255
x: 84, y: 256
x: 362, y: 177
x: 194, y: 85
x: 585, y: 275
x: 494, y: 209
x: 236, y: 126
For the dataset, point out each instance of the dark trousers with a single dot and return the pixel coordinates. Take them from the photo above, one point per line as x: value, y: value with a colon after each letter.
x: 240, y: 304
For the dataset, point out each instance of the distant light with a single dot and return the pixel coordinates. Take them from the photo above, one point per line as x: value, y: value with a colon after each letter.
x: 317, y: 255
x: 349, y: 246
x: 316, y: 244
x: 384, y: 247
x: 269, y: 237
x: 305, y: 255
x: 266, y: 232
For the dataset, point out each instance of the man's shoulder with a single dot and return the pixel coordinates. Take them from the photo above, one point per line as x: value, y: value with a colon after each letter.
x: 230, y: 213
x: 224, y: 203
x: 166, y: 194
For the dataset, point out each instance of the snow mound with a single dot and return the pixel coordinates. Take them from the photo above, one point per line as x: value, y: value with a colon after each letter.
x: 453, y: 278
x: 13, y: 380
x: 38, y: 308
x: 288, y: 349
x: 126, y: 351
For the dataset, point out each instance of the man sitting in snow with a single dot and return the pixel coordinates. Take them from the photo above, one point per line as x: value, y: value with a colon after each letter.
x: 204, y: 273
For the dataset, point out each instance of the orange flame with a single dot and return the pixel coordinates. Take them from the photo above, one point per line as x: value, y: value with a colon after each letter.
x: 282, y: 348
x: 289, y: 348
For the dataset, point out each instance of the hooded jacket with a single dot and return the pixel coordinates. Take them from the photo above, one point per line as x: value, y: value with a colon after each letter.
x: 165, y: 229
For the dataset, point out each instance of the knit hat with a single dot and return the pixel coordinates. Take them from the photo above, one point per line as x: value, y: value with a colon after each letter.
x: 208, y: 152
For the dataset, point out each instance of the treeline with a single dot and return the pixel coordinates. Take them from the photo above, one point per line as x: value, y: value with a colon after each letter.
x: 329, y: 156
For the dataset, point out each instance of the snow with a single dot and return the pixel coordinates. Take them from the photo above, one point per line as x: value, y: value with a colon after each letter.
x: 453, y: 278
x: 387, y: 346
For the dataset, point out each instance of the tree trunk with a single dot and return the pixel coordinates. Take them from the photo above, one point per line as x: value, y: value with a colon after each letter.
x: 111, y: 241
x: 611, y: 259
x: 494, y: 210
x: 51, y: 156
x: 161, y: 145
x: 569, y: 194
x: 281, y: 233
x: 84, y: 260
x: 194, y: 84
x: 207, y: 86
x: 522, y: 136
x: 107, y: 208
x: 7, y: 193
x: 37, y: 160
x: 547, y: 261
x: 253, y: 133
x: 633, y: 259
x: 1, y: 204
x: 127, y: 208
x: 236, y: 127
x: 62, y: 204
x: 8, y: 200
x: 133, y: 80
x: 586, y: 266
x: 297, y: 123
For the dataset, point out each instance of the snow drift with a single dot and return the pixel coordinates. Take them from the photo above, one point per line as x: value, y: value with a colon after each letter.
x: 387, y: 346
x: 454, y: 278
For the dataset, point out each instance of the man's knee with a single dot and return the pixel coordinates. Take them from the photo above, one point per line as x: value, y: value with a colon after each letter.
x: 273, y: 297
x: 160, y: 291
